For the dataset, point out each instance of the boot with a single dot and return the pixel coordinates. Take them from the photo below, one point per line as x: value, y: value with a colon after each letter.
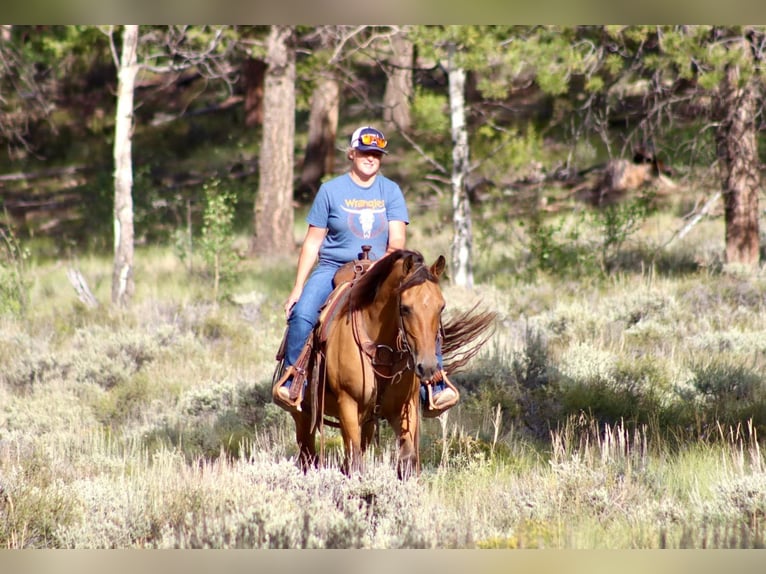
x: 444, y: 399
x: 286, y: 392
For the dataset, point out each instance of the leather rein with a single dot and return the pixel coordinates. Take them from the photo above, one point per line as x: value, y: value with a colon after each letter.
x: 383, y: 356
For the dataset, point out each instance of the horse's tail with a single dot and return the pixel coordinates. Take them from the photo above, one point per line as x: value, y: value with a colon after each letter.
x: 464, y: 335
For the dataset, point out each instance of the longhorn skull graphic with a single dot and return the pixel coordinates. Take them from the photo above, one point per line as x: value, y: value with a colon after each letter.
x: 366, y: 218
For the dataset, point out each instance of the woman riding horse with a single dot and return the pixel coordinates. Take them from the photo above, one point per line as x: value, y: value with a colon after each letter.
x: 359, y: 207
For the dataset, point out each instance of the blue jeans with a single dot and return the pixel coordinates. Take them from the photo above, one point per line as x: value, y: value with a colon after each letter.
x: 305, y: 313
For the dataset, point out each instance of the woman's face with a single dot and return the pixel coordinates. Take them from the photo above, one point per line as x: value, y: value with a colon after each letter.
x: 366, y: 163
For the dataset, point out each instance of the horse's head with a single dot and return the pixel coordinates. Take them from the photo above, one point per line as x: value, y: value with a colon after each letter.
x: 409, y: 302
x: 420, y: 307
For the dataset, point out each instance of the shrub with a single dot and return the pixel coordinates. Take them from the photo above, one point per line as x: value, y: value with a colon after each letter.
x: 218, y: 236
x: 14, y: 285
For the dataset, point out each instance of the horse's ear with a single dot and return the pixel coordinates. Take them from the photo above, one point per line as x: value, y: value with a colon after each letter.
x: 438, y: 267
x: 407, y: 264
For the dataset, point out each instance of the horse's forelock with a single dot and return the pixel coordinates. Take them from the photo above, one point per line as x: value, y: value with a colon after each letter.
x: 420, y: 275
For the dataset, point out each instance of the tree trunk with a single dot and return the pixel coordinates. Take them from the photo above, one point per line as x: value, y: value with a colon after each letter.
x: 122, y: 277
x: 253, y: 71
x: 462, y: 241
x: 737, y: 152
x: 323, y: 127
x: 398, y: 95
x: 273, y: 218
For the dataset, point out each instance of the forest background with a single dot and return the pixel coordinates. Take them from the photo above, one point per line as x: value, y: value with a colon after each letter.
x: 596, y: 186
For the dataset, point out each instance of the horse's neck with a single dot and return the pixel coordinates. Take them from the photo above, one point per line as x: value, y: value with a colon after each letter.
x: 382, y: 317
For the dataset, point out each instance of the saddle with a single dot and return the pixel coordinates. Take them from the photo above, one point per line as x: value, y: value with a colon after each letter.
x: 352, y: 270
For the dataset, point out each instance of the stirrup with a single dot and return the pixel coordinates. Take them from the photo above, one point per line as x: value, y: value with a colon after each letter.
x: 433, y: 410
x: 292, y: 402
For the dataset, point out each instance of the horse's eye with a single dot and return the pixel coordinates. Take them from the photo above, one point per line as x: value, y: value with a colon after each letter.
x: 405, y: 310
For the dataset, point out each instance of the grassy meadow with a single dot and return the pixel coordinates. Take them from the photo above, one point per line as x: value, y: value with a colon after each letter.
x: 613, y: 410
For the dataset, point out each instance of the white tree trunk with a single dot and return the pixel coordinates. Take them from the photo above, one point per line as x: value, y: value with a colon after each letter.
x: 462, y: 241
x: 273, y: 218
x: 122, y: 277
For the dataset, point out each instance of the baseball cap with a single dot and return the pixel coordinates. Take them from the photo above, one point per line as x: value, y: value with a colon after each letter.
x: 367, y: 138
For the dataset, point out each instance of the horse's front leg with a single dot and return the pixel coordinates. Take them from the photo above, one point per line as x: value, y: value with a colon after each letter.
x: 368, y: 434
x: 306, y: 440
x: 350, y: 429
x: 406, y: 425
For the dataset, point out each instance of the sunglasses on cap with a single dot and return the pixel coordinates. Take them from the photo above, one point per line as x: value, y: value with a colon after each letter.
x: 370, y: 139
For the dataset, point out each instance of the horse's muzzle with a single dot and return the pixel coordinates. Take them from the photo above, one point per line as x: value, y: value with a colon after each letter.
x: 425, y: 370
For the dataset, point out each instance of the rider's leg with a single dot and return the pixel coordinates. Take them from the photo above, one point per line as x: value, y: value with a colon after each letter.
x: 444, y: 393
x: 302, y: 319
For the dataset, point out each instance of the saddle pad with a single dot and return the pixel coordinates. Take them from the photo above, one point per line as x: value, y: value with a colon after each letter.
x: 330, y: 309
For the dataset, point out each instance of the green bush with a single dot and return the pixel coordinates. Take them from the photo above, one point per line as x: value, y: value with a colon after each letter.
x: 14, y: 284
x: 217, y: 240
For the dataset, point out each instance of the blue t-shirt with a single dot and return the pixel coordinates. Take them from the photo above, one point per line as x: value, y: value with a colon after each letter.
x: 354, y: 216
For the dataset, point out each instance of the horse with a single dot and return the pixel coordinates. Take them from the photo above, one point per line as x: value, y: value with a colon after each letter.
x: 371, y: 355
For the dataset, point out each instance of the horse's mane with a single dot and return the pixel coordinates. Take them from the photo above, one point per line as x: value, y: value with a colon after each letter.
x: 464, y: 335
x: 366, y: 288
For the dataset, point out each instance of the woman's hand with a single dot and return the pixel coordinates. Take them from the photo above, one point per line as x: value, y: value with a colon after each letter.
x: 295, y: 294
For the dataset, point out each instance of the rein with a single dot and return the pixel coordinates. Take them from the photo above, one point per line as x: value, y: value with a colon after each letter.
x: 384, y: 356
x: 401, y: 354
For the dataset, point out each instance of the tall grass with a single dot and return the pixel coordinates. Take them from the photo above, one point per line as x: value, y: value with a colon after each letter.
x: 614, y: 412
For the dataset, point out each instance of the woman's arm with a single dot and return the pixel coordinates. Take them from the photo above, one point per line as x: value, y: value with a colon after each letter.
x: 397, y: 235
x: 309, y: 254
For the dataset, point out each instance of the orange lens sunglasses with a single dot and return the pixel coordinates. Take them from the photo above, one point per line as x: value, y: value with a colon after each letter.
x: 368, y: 139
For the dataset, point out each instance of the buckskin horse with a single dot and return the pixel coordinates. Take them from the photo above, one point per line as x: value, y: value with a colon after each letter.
x: 375, y: 342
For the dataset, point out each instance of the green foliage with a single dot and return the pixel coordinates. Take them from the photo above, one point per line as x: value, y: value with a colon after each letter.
x: 729, y: 392
x: 510, y: 149
x: 14, y: 284
x: 33, y: 504
x: 550, y: 253
x: 593, y: 243
x: 123, y: 402
x: 617, y: 222
x: 217, y: 241
x: 429, y: 113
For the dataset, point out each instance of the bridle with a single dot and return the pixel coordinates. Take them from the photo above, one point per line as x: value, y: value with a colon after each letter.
x: 396, y: 359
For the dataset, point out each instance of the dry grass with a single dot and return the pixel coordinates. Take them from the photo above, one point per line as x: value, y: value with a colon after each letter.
x: 613, y: 413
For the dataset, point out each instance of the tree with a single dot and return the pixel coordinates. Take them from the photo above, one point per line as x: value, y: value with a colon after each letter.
x: 179, y: 48
x: 253, y: 71
x: 458, y: 50
x: 319, y: 158
x: 688, y: 67
x: 273, y: 217
x: 399, y: 89
x: 683, y: 67
x: 127, y: 69
x: 737, y: 151
x: 462, y: 240
x: 28, y: 83
x: 322, y: 130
